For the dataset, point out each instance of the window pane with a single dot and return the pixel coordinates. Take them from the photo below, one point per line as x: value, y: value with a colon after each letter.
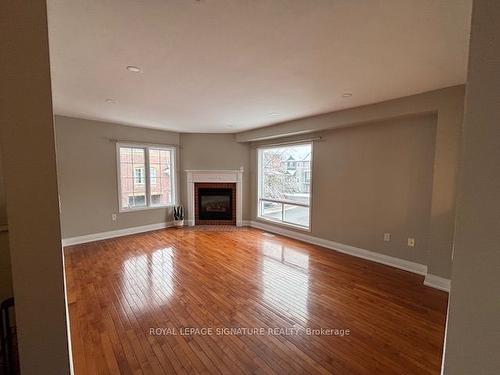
x: 136, y: 180
x: 139, y: 177
x: 153, y: 174
x: 137, y: 200
x: 160, y: 164
x: 154, y: 155
x: 285, y: 175
x: 139, y: 189
x: 138, y: 155
x: 271, y: 210
x: 127, y: 190
x: 125, y: 155
x: 296, y: 215
x: 132, y: 177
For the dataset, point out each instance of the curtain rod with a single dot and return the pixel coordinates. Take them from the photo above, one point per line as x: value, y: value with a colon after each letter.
x: 287, y: 142
x: 114, y: 140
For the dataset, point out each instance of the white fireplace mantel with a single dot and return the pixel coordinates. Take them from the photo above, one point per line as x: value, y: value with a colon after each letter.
x: 217, y: 175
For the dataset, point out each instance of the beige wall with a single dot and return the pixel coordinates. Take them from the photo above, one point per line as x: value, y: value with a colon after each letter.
x: 373, y: 179
x: 446, y: 158
x: 29, y: 167
x: 87, y: 176
x: 473, y: 332
x: 215, y: 151
x: 394, y: 157
x: 447, y: 103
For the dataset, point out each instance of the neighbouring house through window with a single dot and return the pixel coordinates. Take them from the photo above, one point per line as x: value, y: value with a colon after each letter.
x: 284, y: 184
x: 136, y: 200
x: 145, y: 175
x: 139, y: 175
x: 153, y: 173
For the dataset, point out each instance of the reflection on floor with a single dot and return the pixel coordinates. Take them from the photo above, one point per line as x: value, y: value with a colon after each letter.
x: 240, y: 301
x: 288, y: 293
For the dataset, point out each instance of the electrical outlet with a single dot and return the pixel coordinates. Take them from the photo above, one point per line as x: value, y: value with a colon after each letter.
x: 411, y: 242
x: 113, y: 217
x: 387, y: 237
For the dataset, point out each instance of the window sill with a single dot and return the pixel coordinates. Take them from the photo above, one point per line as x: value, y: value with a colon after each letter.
x: 284, y: 224
x: 125, y: 210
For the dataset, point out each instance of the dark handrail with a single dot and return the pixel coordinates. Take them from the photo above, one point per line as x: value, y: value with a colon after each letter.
x: 8, y: 354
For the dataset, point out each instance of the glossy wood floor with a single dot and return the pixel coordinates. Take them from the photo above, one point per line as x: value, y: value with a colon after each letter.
x: 121, y: 289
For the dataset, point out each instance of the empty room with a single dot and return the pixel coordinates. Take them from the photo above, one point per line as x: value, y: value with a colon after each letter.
x: 249, y: 187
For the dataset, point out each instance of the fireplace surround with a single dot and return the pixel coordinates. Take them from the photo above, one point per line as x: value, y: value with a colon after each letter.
x: 220, y: 201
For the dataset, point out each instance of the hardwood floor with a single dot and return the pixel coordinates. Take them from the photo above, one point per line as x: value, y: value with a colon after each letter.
x: 132, y: 301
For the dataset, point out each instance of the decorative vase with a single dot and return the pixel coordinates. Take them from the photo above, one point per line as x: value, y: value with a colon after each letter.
x: 178, y: 213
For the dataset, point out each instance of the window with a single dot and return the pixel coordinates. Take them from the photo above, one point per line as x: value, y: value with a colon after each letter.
x: 284, y: 183
x: 145, y: 176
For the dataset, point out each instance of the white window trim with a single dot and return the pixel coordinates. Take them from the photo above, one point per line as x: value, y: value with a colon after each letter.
x: 259, y: 189
x: 173, y: 175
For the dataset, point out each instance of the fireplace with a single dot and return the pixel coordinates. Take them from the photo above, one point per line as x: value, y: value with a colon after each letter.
x: 214, y: 179
x: 215, y: 203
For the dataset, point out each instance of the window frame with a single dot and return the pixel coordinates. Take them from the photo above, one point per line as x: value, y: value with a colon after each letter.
x: 173, y: 174
x: 283, y: 202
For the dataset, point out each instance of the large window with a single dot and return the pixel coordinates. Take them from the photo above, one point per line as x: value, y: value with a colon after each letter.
x: 284, y: 179
x: 145, y: 176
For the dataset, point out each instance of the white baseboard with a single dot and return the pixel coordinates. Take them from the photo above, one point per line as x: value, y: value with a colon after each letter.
x: 437, y: 282
x: 114, y: 233
x: 402, y: 264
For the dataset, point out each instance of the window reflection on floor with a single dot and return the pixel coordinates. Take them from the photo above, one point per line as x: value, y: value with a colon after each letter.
x: 147, y: 280
x: 285, y: 278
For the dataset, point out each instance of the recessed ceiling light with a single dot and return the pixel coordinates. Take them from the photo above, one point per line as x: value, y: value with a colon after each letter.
x: 274, y: 114
x: 111, y: 101
x: 134, y: 69
x: 346, y: 95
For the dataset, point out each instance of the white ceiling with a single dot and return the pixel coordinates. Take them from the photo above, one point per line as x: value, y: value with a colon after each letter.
x: 227, y: 65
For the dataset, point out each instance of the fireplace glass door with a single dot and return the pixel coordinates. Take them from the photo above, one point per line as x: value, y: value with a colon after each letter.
x: 215, y: 204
